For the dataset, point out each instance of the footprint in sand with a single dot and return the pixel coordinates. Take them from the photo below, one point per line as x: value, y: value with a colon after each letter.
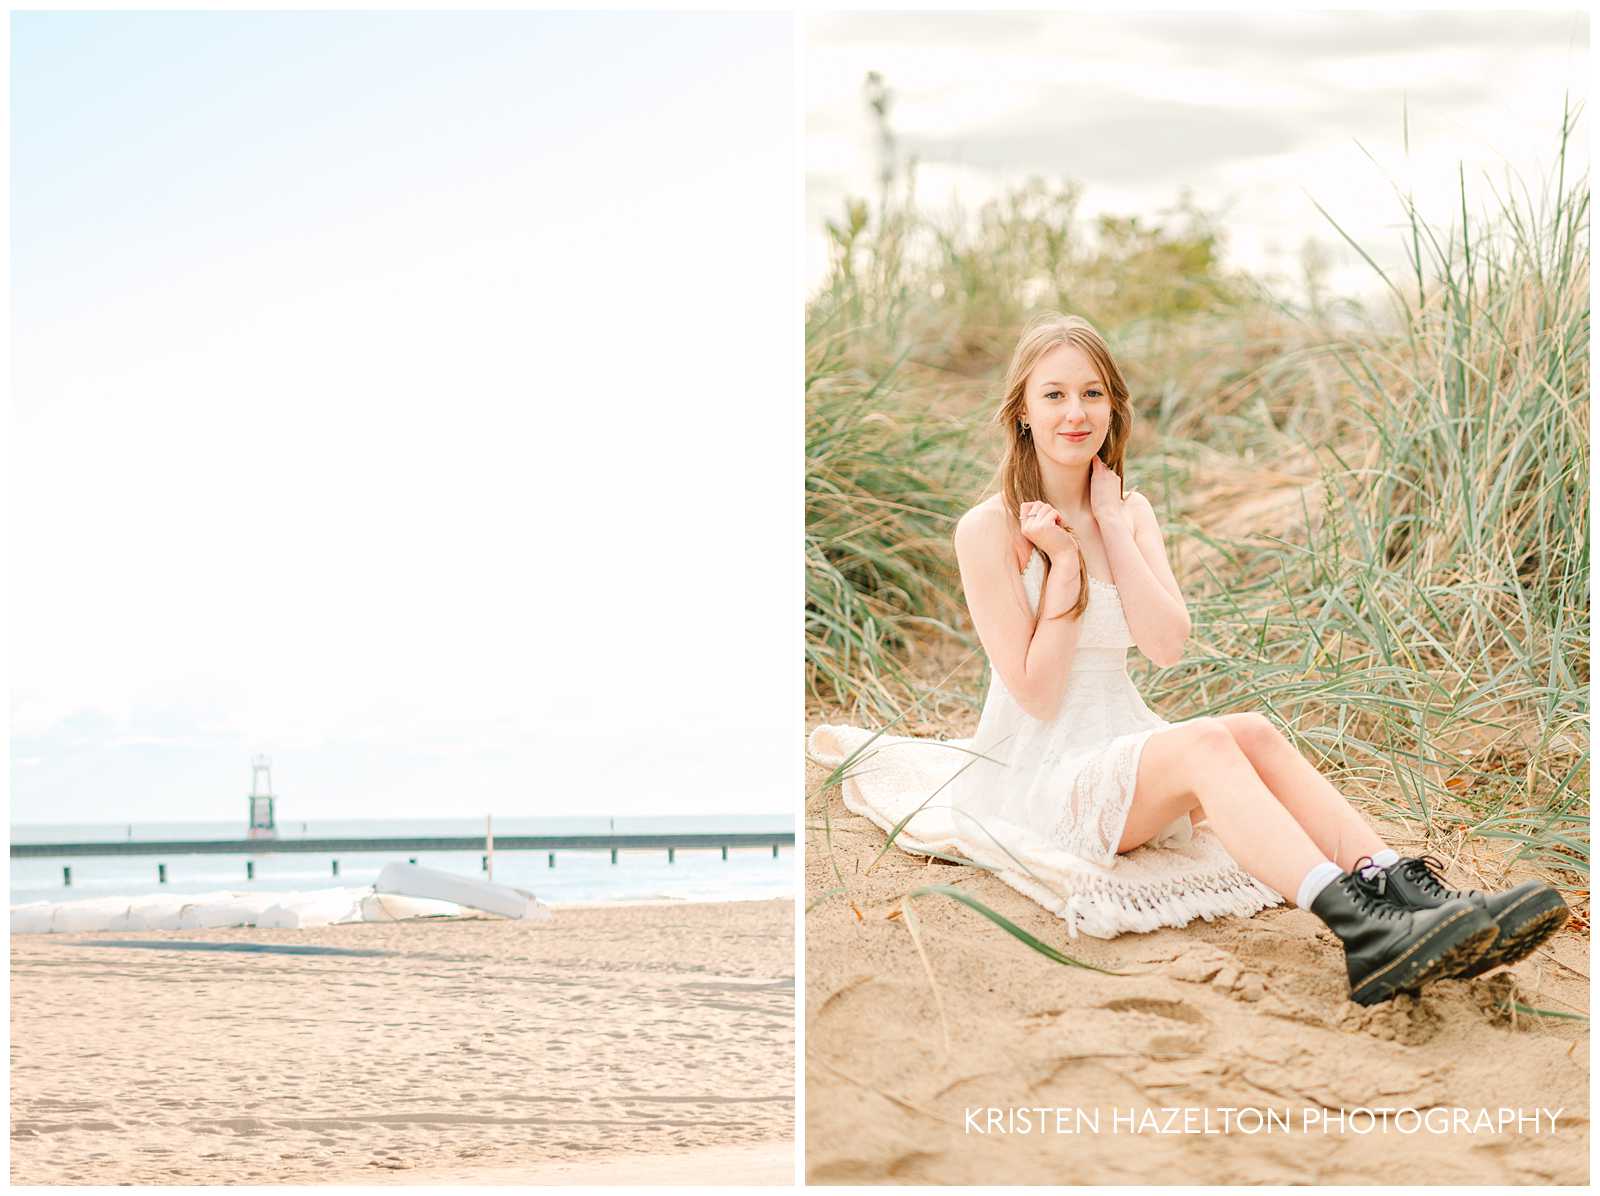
x: 1160, y: 1030
x: 1161, y: 1047
x: 1176, y: 1011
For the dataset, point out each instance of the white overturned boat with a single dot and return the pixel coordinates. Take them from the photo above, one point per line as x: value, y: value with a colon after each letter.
x: 402, y: 891
x: 412, y: 880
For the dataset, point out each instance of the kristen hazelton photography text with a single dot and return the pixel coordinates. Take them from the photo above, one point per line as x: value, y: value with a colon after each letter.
x: 1322, y: 841
x: 367, y: 825
x: 1226, y: 1120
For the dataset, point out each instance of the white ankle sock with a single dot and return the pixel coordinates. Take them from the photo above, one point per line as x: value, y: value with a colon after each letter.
x: 1380, y: 860
x: 1320, y: 877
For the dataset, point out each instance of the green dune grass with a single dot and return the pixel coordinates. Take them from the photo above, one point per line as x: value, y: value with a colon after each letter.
x: 1380, y: 519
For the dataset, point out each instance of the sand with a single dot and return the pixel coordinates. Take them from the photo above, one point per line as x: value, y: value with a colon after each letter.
x: 625, y: 1044
x: 1237, y: 1013
x: 770, y: 1163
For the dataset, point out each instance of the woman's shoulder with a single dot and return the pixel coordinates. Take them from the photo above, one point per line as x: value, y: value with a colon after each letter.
x: 987, y: 530
x: 1140, y: 509
x: 986, y: 524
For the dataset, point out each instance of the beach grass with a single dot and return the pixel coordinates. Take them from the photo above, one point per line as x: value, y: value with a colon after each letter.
x: 1379, y: 517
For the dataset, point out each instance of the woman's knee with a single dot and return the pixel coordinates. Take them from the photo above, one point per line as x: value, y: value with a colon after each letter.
x: 1251, y: 731
x: 1211, y: 737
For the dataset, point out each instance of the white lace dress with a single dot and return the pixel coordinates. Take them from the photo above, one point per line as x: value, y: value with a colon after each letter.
x: 1043, y: 804
x: 1072, y: 778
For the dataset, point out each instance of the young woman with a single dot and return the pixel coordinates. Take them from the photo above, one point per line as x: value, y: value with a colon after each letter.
x: 1063, y: 573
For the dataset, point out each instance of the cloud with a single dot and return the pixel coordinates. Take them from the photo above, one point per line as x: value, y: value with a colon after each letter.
x: 1095, y: 136
x: 1236, y: 40
x: 1270, y: 39
x: 975, y: 30
x: 1248, y: 112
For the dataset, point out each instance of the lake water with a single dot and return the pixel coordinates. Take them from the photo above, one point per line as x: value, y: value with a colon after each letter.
x: 696, y: 875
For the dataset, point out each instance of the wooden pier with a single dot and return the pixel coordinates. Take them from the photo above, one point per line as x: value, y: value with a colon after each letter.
x: 473, y: 843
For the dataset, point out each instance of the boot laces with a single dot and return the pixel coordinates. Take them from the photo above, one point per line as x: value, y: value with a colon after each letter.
x: 1369, y: 894
x: 1378, y: 881
x: 1421, y: 871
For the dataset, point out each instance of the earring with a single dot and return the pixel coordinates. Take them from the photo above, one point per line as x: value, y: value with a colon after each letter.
x: 1023, y: 425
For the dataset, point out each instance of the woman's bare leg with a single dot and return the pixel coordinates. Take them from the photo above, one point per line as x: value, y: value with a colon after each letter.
x: 1201, y: 762
x: 1333, y: 823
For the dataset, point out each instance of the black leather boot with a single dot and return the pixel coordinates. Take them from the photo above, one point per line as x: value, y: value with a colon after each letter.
x: 1389, y: 949
x: 1525, y: 916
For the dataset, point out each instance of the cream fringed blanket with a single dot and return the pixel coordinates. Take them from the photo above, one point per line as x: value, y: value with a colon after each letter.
x: 1148, y: 888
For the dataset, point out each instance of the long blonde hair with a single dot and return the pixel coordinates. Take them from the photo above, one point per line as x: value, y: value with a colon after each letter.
x: 1018, y: 479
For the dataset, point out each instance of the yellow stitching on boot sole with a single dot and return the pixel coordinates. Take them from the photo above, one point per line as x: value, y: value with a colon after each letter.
x: 1526, y: 897
x: 1417, y: 946
x: 1553, y: 919
x: 1440, y: 967
x: 1507, y: 949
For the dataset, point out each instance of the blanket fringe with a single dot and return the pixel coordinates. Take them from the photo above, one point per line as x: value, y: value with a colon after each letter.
x: 1106, y: 914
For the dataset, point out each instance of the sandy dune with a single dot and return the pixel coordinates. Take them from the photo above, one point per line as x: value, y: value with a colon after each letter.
x: 610, y: 1042
x: 1234, y: 1013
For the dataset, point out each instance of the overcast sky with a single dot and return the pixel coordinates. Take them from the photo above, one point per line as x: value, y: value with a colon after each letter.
x: 1256, y: 113
x: 407, y: 396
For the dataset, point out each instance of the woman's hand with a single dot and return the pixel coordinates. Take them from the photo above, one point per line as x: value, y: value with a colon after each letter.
x: 1105, y: 494
x: 1043, y: 526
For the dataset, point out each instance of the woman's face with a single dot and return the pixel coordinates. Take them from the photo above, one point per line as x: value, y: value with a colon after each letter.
x: 1068, y: 407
